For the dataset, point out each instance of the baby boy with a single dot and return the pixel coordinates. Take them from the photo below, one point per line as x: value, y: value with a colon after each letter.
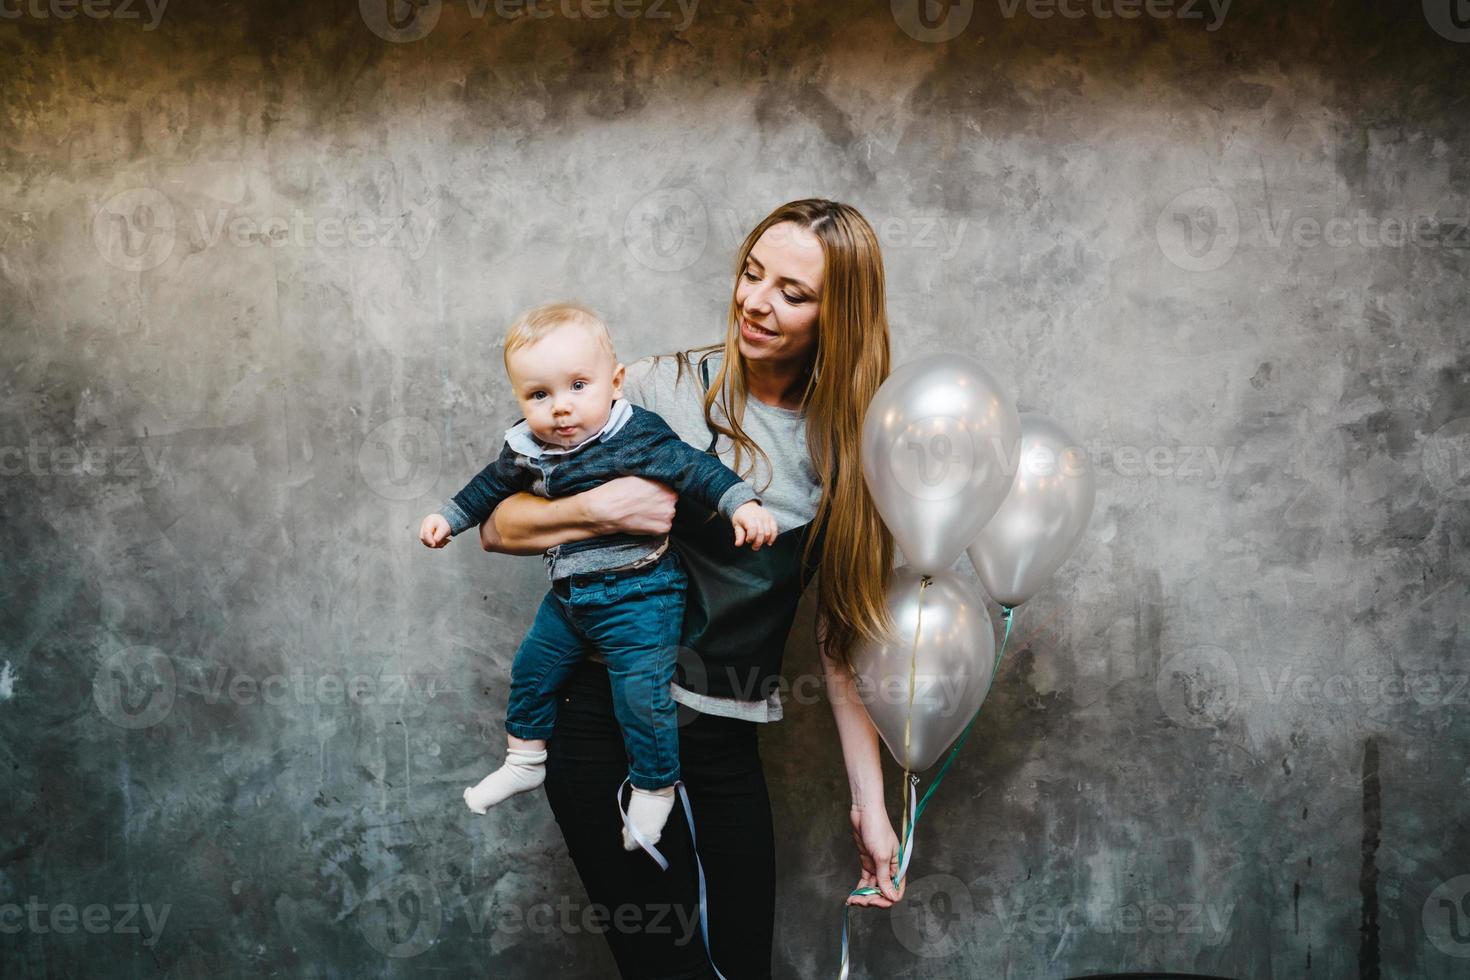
x: 621, y: 594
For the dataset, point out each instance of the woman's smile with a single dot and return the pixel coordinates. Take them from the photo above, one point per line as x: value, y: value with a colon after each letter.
x: 755, y: 333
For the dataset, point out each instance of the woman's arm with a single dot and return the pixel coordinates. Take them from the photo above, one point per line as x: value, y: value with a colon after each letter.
x: 872, y: 832
x: 525, y: 524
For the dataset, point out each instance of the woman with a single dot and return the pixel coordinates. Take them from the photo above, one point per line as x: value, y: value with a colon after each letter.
x: 780, y: 401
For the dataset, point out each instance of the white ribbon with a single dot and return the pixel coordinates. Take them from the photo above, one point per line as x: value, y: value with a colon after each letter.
x: 663, y: 862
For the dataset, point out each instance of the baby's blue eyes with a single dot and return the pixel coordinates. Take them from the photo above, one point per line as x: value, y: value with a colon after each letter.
x: 576, y: 386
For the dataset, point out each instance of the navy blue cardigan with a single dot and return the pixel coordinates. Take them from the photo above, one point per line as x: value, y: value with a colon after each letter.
x: 644, y: 445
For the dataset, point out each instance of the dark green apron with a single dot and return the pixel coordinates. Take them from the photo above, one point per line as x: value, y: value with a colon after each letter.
x: 740, y: 603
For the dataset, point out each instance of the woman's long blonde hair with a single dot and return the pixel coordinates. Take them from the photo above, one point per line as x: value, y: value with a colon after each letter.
x: 851, y: 361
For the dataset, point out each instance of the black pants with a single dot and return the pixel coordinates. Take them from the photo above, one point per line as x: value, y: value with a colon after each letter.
x: 651, y: 916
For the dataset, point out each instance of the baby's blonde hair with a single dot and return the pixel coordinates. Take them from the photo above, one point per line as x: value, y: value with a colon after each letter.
x: 539, y: 321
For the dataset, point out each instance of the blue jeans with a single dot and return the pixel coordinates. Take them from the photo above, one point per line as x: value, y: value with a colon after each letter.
x: 634, y: 619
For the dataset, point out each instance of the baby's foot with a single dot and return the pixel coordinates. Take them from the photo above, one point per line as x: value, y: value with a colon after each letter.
x: 523, y: 770
x: 648, y: 811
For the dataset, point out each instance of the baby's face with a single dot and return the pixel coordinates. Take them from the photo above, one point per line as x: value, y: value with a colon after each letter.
x: 565, y: 384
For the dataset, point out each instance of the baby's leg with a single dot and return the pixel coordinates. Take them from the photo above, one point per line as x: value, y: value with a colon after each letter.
x: 648, y: 811
x: 524, y: 770
x: 639, y: 636
x: 550, y: 649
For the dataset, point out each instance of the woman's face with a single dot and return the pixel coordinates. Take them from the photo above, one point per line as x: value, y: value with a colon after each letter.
x: 779, y: 293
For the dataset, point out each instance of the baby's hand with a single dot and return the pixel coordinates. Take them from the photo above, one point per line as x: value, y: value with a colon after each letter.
x: 754, y: 525
x: 434, y: 531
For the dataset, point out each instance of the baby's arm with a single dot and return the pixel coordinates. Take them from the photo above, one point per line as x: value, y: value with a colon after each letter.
x: 434, y: 531
x: 704, y: 478
x: 475, y: 501
x: 753, y: 525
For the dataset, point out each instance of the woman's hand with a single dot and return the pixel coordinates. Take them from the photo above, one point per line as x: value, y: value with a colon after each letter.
x: 632, y: 504
x: 877, y: 846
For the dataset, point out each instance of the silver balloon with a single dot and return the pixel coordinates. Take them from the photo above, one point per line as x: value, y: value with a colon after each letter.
x: 936, y: 438
x: 1041, y: 519
x: 952, y: 660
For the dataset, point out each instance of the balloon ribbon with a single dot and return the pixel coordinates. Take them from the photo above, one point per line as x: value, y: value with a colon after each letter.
x: 911, y: 811
x: 663, y: 862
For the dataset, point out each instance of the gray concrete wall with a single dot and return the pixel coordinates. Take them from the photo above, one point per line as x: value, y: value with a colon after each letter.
x: 255, y: 258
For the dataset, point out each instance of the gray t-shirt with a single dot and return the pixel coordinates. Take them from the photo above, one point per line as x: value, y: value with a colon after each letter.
x: 794, y: 491
x: 791, y: 496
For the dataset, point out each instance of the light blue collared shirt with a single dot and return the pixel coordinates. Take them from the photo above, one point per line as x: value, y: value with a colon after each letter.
x: 520, y: 439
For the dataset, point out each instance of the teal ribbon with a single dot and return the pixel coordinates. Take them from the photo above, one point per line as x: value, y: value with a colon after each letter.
x: 915, y: 811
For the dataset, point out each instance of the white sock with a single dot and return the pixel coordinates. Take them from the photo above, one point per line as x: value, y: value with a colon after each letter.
x: 648, y: 810
x: 524, y: 769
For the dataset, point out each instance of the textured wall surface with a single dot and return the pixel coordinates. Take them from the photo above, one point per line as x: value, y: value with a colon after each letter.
x: 255, y: 260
